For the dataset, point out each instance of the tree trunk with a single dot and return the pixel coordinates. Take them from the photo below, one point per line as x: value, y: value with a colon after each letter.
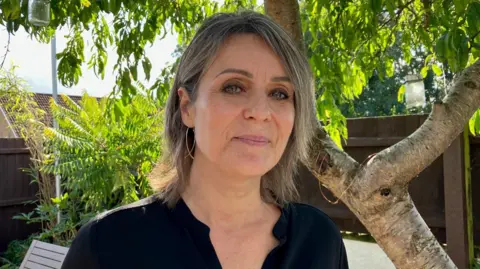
x: 288, y: 13
x: 377, y: 191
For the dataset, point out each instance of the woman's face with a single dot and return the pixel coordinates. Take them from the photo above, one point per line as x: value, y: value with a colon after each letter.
x: 244, y: 111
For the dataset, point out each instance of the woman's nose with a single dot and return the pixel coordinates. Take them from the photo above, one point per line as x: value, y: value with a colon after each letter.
x: 258, y: 108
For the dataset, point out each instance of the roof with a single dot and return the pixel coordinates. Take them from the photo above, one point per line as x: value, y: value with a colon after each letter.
x: 43, y: 101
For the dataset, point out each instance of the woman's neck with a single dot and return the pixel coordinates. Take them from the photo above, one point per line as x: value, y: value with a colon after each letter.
x: 222, y: 200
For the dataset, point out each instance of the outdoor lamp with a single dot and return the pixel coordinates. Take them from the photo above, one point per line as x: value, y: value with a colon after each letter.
x: 414, y: 91
x: 39, y: 12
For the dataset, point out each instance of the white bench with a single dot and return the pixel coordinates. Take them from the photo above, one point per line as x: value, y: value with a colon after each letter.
x: 42, y: 255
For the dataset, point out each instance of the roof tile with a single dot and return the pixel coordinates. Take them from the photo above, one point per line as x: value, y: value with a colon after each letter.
x: 43, y: 101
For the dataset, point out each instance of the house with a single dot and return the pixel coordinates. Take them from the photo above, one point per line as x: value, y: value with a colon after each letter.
x: 43, y: 101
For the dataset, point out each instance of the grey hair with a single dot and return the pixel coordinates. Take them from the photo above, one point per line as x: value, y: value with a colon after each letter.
x: 277, y: 185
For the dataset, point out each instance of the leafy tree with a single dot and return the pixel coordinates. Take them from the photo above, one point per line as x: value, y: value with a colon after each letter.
x: 380, y: 97
x: 347, y: 42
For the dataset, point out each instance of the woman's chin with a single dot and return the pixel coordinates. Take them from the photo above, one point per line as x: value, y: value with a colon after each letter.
x: 249, y: 168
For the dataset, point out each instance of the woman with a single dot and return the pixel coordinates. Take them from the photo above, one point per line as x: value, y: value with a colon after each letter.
x: 239, y: 118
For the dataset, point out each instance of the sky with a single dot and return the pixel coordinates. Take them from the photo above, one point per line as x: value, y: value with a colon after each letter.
x: 34, y: 62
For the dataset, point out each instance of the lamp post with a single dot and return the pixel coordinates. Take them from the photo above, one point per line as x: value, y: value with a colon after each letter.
x: 39, y: 15
x: 414, y: 92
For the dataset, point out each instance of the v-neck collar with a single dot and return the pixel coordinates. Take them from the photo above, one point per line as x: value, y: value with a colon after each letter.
x: 200, y: 234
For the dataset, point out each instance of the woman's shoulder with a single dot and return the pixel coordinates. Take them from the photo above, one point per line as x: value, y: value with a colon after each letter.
x: 111, y: 234
x: 143, y: 210
x: 314, y: 239
x: 142, y: 207
x: 310, y: 219
x: 308, y: 212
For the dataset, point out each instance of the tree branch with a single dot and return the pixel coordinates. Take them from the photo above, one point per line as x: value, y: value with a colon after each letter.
x: 327, y: 162
x: 7, y: 50
x: 403, y: 161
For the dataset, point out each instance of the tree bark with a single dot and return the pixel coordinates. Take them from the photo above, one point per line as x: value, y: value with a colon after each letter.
x: 377, y: 191
x: 288, y: 13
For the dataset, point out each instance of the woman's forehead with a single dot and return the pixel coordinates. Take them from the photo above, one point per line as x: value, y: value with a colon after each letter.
x: 247, y: 53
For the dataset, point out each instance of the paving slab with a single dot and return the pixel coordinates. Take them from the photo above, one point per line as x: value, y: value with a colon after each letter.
x: 365, y: 255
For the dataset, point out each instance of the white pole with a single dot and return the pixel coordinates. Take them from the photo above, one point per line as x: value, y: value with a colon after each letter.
x: 55, y: 123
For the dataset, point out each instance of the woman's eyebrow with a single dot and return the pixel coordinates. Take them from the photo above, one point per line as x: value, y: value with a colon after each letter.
x: 238, y: 71
x: 249, y: 75
x: 281, y: 79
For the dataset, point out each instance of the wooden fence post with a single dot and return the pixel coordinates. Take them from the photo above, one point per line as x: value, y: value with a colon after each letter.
x: 458, y: 207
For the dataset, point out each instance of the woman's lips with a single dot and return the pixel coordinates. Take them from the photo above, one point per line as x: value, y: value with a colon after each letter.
x: 253, y: 140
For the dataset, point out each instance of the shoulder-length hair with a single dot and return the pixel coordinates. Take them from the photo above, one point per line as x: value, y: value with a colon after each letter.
x: 277, y: 185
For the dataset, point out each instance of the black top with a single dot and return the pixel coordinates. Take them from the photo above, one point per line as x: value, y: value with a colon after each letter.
x: 148, y: 234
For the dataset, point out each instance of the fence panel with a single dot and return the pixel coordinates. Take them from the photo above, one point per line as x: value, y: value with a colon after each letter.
x: 15, y: 191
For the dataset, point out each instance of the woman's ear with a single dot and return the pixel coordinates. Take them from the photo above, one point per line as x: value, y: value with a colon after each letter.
x: 186, y: 107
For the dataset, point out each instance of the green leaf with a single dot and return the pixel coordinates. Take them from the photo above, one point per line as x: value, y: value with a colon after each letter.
x: 428, y: 59
x: 401, y: 94
x: 118, y: 110
x: 126, y: 81
x: 440, y: 47
x: 473, y: 18
x: 133, y: 71
x: 474, y: 123
x: 114, y: 6
x: 10, y: 26
x: 437, y: 70
x: 460, y: 5
x: 16, y: 25
x: 147, y: 67
x: 424, y: 71
x: 477, y: 123
x: 376, y: 5
x: 457, y: 50
x: 389, y: 67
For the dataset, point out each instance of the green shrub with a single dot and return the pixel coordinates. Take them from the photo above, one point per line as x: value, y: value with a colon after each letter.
x: 105, y: 149
x: 16, y: 250
x: 105, y: 152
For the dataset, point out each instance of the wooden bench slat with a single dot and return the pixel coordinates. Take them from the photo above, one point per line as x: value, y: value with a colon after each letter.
x: 42, y: 255
x: 55, y: 248
x: 48, y: 254
x: 44, y: 261
x: 31, y: 265
x: 29, y: 251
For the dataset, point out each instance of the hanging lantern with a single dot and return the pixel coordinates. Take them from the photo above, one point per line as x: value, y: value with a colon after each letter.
x: 414, y: 91
x: 39, y: 12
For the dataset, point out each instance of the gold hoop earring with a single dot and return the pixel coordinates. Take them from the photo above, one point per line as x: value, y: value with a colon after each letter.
x: 186, y: 144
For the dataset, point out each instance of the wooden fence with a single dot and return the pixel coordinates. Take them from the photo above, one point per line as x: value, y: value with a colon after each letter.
x: 15, y: 191
x: 438, y: 192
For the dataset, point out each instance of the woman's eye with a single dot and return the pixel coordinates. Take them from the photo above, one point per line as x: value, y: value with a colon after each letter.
x: 232, y: 89
x: 279, y: 95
